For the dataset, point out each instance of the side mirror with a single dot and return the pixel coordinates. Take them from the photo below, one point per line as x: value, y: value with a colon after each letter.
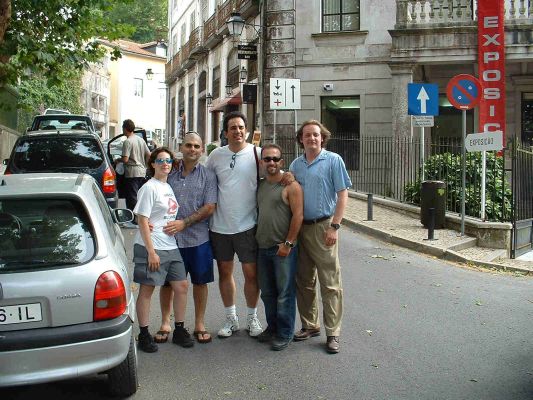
x: 123, y: 215
x: 5, y: 161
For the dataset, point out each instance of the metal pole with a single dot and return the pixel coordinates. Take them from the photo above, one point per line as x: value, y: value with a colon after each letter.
x: 274, y: 135
x: 431, y: 224
x: 422, y: 156
x: 463, y: 166
x: 295, y: 130
x: 370, y: 210
x: 483, y: 183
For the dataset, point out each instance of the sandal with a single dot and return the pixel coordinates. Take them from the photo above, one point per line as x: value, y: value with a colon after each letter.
x: 161, y: 336
x: 199, y: 336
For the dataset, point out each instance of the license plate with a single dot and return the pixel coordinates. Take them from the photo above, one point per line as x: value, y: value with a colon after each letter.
x: 18, y: 314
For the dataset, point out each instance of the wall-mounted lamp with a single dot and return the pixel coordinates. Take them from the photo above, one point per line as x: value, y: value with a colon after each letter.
x: 243, y: 74
x: 149, y: 74
x: 228, y: 90
x: 236, y: 25
x: 209, y: 99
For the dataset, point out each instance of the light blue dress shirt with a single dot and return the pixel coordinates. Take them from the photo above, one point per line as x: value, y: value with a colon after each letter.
x: 320, y: 181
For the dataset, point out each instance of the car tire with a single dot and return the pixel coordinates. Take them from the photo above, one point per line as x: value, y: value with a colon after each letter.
x: 122, y: 379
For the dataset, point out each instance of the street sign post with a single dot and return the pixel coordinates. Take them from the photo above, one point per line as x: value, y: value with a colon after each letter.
x: 284, y: 94
x: 422, y: 99
x: 422, y: 104
x: 485, y: 141
x: 464, y: 93
x: 423, y: 121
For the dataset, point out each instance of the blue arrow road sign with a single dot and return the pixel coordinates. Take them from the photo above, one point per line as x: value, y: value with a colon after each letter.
x: 422, y: 99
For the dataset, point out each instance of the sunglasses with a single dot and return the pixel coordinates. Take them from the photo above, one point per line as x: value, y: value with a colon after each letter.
x: 233, y: 160
x: 190, y: 145
x: 163, y: 160
x: 268, y: 159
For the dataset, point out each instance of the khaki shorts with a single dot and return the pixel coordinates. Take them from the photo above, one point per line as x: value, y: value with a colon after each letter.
x: 242, y: 243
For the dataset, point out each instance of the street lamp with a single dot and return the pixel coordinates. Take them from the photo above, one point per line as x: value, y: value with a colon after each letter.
x: 229, y: 89
x: 235, y: 24
x: 243, y: 74
x: 149, y: 74
x: 209, y: 99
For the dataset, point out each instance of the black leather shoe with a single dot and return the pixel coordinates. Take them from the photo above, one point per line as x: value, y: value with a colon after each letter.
x: 147, y: 344
x: 304, y: 334
x: 280, y: 343
x: 332, y: 344
x: 265, y: 336
x: 182, y: 337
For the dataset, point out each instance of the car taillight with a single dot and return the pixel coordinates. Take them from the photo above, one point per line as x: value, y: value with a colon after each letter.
x: 109, y: 181
x: 109, y: 296
x: 7, y: 171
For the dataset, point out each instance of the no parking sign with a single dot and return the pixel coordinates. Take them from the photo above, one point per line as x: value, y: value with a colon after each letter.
x: 464, y: 91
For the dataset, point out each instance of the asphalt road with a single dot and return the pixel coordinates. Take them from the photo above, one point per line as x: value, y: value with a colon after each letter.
x: 414, y: 328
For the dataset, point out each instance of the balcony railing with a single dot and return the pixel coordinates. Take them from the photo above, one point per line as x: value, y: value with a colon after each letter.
x: 210, y: 27
x: 224, y: 13
x: 422, y: 13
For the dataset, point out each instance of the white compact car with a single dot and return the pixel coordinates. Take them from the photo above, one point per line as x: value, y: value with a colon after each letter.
x: 66, y: 306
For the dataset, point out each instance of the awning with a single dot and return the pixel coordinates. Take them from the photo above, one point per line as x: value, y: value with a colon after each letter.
x: 219, y: 104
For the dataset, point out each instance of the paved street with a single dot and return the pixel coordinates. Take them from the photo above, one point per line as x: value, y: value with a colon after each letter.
x: 414, y: 328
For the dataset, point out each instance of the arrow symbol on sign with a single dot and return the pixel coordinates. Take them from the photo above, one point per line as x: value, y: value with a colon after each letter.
x: 293, y: 87
x: 277, y: 85
x: 423, y: 97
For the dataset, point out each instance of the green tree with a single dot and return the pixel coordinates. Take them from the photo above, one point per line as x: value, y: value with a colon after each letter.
x: 148, y: 18
x: 51, y: 36
x: 36, y: 93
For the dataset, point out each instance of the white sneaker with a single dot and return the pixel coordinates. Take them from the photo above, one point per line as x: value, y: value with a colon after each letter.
x: 254, y: 326
x: 231, y: 325
x: 129, y: 225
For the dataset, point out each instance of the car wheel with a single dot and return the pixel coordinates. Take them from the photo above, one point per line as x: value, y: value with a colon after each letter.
x: 122, y: 379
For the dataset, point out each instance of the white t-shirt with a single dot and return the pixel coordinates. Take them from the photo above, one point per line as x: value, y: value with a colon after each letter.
x: 236, y: 209
x: 156, y: 201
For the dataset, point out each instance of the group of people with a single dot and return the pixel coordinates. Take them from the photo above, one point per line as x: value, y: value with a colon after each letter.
x: 283, y: 228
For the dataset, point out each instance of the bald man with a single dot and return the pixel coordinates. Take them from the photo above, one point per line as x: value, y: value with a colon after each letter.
x: 195, y: 188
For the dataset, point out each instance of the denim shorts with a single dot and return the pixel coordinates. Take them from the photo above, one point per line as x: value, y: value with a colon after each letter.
x: 171, y: 267
x: 242, y: 243
x: 198, y: 262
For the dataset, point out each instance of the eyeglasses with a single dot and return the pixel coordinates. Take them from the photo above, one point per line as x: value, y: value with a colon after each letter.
x: 163, y: 160
x: 268, y: 159
x: 190, y: 145
x: 233, y: 160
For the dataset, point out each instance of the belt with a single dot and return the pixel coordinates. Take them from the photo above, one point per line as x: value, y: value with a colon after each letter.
x: 316, y: 221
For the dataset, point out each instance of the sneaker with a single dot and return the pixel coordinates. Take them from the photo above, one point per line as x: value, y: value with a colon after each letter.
x: 280, y: 343
x: 254, y: 327
x: 129, y: 225
x: 231, y: 325
x: 147, y: 344
x: 182, y: 337
x: 265, y: 336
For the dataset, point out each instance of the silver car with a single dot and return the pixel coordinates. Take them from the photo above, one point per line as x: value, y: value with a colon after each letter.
x: 66, y: 306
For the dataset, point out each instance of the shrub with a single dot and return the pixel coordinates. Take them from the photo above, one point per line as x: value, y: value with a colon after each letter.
x: 447, y: 167
x: 210, y: 147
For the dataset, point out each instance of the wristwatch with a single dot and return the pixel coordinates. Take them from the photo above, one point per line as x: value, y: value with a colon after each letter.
x: 336, y: 226
x: 289, y: 244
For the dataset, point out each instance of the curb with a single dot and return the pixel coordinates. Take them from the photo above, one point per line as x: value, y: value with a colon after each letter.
x: 449, y: 254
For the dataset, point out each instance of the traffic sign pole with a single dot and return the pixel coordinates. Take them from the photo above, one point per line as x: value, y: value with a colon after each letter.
x: 463, y: 166
x: 483, y: 179
x: 422, y: 155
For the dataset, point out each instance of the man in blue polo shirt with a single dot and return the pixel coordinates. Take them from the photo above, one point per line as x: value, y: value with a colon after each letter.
x: 195, y: 188
x: 325, y: 182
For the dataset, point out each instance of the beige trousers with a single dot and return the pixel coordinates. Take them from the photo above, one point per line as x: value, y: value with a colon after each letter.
x: 317, y: 259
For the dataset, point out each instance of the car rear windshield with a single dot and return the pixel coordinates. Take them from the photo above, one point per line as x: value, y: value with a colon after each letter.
x: 59, y: 122
x: 43, y: 234
x: 57, y: 154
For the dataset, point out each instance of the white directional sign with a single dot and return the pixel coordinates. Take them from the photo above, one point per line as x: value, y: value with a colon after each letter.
x: 423, y: 121
x: 486, y: 141
x: 285, y: 94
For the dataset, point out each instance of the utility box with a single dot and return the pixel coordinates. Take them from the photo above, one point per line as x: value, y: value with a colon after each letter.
x: 433, y: 195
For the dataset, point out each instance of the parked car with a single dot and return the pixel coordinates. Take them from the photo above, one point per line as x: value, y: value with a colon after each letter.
x: 64, y: 151
x: 66, y: 305
x: 59, y: 122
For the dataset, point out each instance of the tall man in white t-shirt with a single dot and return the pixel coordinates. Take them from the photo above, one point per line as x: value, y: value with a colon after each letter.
x: 232, y: 227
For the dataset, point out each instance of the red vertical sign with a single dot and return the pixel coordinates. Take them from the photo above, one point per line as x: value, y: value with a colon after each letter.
x: 491, y: 53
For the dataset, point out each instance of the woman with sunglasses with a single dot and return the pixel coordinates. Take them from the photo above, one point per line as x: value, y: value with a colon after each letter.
x: 155, y: 254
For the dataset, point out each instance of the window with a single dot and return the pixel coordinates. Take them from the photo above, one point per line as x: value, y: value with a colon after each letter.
x: 193, y: 21
x: 527, y: 118
x: 191, y: 107
x: 340, y: 15
x: 341, y: 115
x: 233, y: 68
x: 448, y: 124
x: 174, y: 44
x: 183, y: 34
x: 216, y: 82
x: 138, y: 87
